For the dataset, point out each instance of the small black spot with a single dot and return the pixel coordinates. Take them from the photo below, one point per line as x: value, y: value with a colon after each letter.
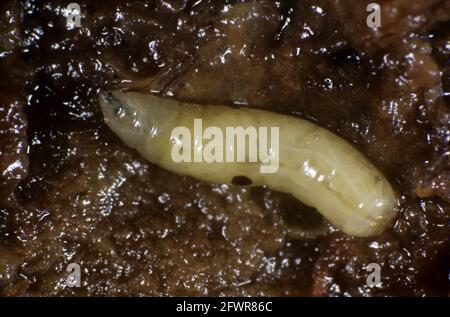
x: 241, y: 181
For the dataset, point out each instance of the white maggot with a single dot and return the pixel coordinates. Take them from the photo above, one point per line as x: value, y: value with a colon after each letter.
x: 315, y: 166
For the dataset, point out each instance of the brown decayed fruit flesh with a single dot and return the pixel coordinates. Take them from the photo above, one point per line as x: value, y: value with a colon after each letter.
x: 135, y: 229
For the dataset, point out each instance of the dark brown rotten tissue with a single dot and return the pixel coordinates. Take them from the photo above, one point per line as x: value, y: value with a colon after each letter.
x: 71, y: 192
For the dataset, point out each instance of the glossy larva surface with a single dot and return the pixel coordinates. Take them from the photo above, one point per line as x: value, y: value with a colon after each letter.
x: 315, y: 166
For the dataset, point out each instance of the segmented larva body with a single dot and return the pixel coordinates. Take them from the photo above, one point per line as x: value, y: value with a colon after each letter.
x: 315, y: 166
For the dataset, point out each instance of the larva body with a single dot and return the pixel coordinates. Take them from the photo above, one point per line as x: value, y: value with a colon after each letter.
x: 315, y: 166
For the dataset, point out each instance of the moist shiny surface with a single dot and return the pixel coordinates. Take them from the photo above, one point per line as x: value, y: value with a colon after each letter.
x: 71, y: 191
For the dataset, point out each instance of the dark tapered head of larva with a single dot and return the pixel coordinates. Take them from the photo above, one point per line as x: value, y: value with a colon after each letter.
x: 113, y: 102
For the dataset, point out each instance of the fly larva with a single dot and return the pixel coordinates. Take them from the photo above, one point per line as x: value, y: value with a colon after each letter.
x: 315, y: 166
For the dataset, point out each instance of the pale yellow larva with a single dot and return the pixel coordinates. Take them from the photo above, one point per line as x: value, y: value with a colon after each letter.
x: 314, y: 165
